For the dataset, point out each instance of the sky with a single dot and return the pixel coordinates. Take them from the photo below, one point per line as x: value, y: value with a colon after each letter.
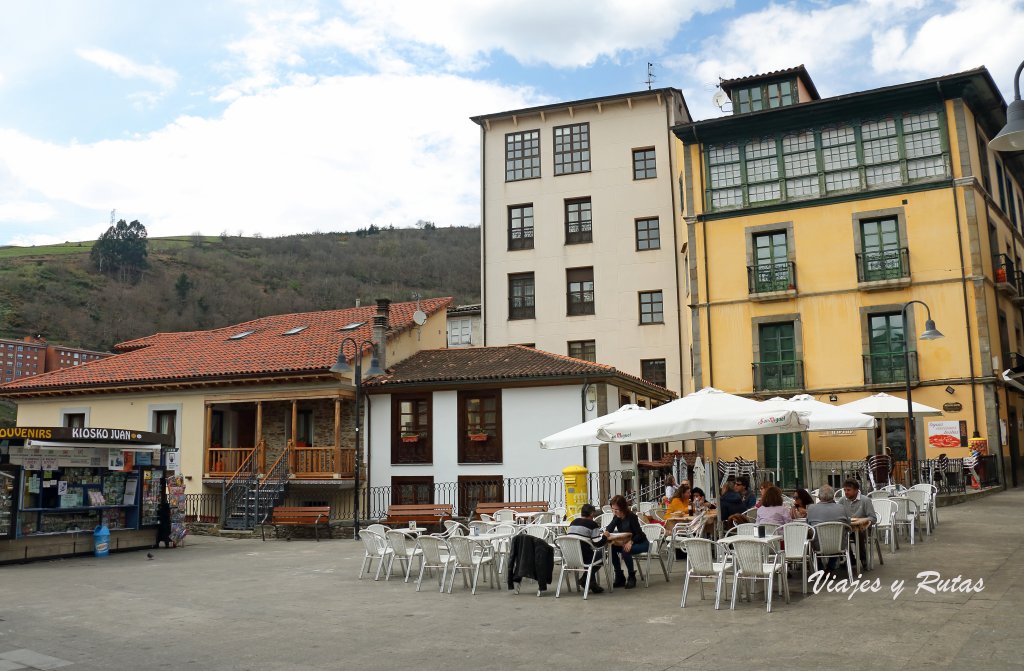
x: 261, y: 117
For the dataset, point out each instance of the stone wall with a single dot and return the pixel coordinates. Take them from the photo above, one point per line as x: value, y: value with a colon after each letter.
x: 277, y: 421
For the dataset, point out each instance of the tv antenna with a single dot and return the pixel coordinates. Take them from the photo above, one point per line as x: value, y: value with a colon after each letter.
x: 650, y: 76
x: 419, y: 317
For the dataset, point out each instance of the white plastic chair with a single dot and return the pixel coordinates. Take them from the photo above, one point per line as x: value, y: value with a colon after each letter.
x: 505, y: 515
x: 750, y: 514
x: 571, y: 550
x: 693, y: 529
x: 933, y: 509
x: 538, y: 531
x: 907, y: 515
x: 745, y: 529
x: 754, y: 560
x: 885, y: 511
x: 878, y: 494
x: 923, y: 499
x: 606, y: 508
x: 655, y: 536
x: 379, y: 529
x: 701, y: 564
x: 404, y: 547
x: 471, y: 557
x: 605, y: 519
x: 453, y: 528
x: 797, y: 538
x: 434, y: 554
x: 501, y: 542
x: 833, y: 540
x: 644, y: 508
x: 376, y: 550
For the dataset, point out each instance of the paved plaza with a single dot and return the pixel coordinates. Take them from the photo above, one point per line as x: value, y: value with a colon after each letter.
x: 246, y: 604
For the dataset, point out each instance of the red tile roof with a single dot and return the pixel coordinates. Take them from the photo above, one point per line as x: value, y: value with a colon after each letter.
x: 213, y: 354
x: 506, y: 363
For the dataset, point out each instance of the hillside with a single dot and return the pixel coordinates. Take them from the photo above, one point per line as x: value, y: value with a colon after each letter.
x: 198, y: 282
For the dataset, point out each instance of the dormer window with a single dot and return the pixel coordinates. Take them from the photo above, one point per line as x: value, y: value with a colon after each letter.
x: 764, y: 96
x: 239, y: 336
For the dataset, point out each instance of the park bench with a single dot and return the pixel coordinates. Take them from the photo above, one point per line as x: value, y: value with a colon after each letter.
x: 297, y: 516
x: 425, y: 513
x: 491, y: 507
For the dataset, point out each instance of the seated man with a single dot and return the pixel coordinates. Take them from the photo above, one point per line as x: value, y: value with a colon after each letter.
x: 739, y: 499
x: 826, y: 510
x: 858, y: 505
x: 586, y: 527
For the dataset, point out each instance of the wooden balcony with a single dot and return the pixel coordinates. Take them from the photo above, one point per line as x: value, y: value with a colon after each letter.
x: 322, y: 463
x: 224, y: 462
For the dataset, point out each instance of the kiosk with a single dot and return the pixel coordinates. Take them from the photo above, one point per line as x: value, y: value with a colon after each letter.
x: 57, y: 484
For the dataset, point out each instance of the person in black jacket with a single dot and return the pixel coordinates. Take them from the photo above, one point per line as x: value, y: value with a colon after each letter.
x: 586, y: 527
x: 626, y: 520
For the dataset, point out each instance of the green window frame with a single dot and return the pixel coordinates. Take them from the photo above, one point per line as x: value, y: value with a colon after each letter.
x: 886, y: 347
x: 778, y: 367
x: 771, y: 261
x: 854, y: 155
x: 881, y: 254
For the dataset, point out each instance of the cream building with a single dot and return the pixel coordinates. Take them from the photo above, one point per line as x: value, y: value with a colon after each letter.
x: 580, y: 252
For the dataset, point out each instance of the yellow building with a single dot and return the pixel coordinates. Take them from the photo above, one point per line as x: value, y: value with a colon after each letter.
x: 810, y: 222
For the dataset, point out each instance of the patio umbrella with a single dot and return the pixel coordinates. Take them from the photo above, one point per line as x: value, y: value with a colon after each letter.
x: 702, y: 478
x: 820, y: 417
x: 706, y: 414
x: 885, y: 406
x: 582, y: 435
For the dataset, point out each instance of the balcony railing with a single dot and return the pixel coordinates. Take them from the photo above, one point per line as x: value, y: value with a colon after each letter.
x: 889, y: 368
x: 580, y: 303
x: 223, y: 462
x: 521, y: 238
x: 1014, y: 360
x: 778, y: 375
x: 1004, y: 273
x: 521, y: 307
x: 322, y: 462
x: 882, y: 265
x: 771, y: 277
x: 578, y: 233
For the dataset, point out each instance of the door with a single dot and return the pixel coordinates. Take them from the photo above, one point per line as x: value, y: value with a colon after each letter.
x: 783, y: 453
x: 1014, y: 439
x: 778, y: 366
x: 881, y: 248
x: 246, y: 427
x: 474, y: 489
x: 888, y: 362
x: 771, y: 262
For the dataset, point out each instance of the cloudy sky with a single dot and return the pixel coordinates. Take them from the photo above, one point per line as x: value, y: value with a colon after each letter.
x: 242, y: 116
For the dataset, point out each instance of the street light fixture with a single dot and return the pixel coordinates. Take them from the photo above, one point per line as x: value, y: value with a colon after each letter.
x: 929, y: 333
x: 1011, y: 137
x: 341, y: 366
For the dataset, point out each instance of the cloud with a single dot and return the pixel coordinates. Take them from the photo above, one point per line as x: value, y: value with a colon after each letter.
x: 853, y: 45
x: 339, y: 154
x: 24, y: 211
x: 126, y: 68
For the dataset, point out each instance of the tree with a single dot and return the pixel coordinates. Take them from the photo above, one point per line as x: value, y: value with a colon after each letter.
x: 183, y: 286
x: 122, y: 250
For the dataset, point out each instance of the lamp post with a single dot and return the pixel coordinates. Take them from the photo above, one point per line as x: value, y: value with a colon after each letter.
x: 929, y: 333
x: 1011, y: 137
x: 341, y: 366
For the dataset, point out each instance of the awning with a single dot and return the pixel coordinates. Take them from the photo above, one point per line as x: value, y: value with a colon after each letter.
x: 53, y: 445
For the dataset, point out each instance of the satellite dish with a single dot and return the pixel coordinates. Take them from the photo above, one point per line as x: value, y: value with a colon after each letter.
x: 720, y: 99
x: 420, y: 317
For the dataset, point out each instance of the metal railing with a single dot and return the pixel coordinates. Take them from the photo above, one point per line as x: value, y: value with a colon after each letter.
x: 771, y: 277
x: 1013, y: 360
x: 948, y: 475
x: 889, y: 368
x: 778, y: 375
x: 521, y: 307
x: 1004, y: 273
x: 203, y: 507
x: 580, y: 302
x: 884, y: 264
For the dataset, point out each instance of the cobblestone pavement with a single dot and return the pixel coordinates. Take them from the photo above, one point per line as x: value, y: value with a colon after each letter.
x: 246, y: 604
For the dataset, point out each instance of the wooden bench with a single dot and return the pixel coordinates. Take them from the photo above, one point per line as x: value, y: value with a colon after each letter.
x: 297, y: 516
x: 426, y: 513
x: 489, y: 508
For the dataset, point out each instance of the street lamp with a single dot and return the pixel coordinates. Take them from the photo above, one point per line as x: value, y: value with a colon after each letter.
x: 1011, y: 138
x: 929, y: 333
x: 341, y: 366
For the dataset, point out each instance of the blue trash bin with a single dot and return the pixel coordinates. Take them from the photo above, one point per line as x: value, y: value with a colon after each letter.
x: 101, y: 540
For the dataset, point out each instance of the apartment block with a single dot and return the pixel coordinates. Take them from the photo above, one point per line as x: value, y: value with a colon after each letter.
x: 33, y: 355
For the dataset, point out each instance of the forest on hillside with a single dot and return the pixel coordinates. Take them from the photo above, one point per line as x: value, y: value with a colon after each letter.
x: 196, y: 282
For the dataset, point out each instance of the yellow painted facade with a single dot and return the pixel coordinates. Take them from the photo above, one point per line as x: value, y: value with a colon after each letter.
x: 952, y: 226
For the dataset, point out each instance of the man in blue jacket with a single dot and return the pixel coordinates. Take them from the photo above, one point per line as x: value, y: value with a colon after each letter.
x: 739, y: 500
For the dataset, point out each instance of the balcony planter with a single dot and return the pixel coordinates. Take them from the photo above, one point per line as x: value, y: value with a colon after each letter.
x: 1000, y: 274
x: 410, y: 438
x: 478, y: 437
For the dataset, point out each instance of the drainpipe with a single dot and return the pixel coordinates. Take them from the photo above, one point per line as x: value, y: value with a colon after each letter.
x: 583, y: 413
x: 366, y: 460
x: 707, y: 279
x: 483, y: 232
x: 967, y: 315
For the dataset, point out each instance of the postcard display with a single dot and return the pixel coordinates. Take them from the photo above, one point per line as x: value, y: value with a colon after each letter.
x: 176, y: 499
x: 8, y: 500
x: 56, y: 498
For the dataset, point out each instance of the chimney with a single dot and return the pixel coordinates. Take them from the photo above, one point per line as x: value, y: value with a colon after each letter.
x: 380, y: 331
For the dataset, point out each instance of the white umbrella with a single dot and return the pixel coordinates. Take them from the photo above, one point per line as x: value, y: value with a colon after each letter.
x: 585, y: 434
x: 702, y: 478
x: 820, y: 417
x: 705, y: 414
x: 884, y: 406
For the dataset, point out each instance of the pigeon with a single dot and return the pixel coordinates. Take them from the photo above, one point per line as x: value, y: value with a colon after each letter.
x: 149, y: 555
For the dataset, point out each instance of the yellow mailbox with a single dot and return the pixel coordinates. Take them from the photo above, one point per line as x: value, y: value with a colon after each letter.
x: 575, y: 490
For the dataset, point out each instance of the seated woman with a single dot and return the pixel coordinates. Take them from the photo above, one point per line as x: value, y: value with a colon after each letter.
x: 772, y: 511
x: 764, y: 487
x: 625, y: 521
x: 801, y: 499
x: 679, y: 506
x: 700, y: 501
